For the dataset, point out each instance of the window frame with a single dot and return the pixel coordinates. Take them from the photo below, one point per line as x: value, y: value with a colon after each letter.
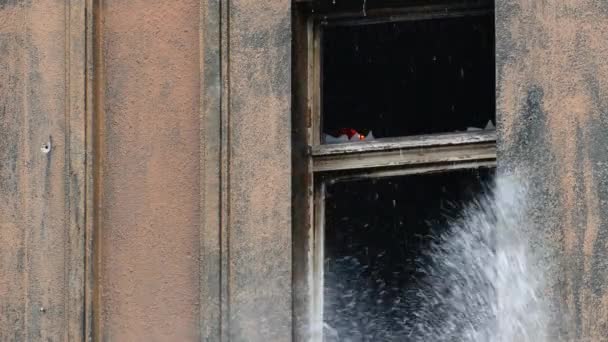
x: 316, y: 165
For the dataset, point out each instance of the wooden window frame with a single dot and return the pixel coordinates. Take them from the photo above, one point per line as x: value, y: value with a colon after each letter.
x: 316, y: 165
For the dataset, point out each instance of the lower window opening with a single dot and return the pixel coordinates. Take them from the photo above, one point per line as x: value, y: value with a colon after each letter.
x: 376, y: 234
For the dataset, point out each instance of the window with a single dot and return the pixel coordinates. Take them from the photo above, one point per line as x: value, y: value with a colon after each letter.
x: 394, y: 116
x: 410, y: 77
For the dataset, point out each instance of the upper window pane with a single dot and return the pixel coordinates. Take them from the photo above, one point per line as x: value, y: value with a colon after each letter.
x: 408, y: 77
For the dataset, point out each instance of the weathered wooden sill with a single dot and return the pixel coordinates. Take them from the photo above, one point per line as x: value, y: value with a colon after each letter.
x: 416, y: 150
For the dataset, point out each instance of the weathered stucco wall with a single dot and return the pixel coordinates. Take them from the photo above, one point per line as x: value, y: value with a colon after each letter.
x: 259, y: 150
x: 41, y: 170
x: 194, y: 197
x: 162, y: 210
x: 149, y: 218
x: 553, y: 108
x: 194, y: 229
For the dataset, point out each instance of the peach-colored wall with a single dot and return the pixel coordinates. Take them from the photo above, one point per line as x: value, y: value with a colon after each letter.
x: 163, y: 210
x: 36, y: 193
x: 193, y: 229
x: 149, y: 183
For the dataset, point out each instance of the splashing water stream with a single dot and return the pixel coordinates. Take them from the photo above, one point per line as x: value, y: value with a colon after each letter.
x: 482, y: 282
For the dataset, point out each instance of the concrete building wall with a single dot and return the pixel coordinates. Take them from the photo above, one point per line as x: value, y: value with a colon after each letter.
x: 148, y: 276
x: 553, y: 110
x: 161, y: 211
x: 154, y: 202
x: 194, y: 208
x: 41, y: 170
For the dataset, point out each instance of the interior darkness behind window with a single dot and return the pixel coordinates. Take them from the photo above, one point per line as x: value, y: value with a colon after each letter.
x: 409, y: 77
x: 376, y: 235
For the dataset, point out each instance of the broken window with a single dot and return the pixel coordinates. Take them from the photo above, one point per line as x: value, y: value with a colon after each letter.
x: 376, y: 233
x: 408, y: 77
x: 394, y: 115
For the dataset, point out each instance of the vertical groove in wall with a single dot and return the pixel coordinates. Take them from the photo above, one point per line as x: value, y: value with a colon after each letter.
x: 75, y: 169
x: 89, y: 183
x: 225, y: 170
x: 97, y: 134
x: 211, y: 233
x: 25, y: 206
x: 68, y: 168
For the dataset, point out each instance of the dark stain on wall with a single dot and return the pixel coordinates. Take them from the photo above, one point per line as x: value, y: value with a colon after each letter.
x: 33, y: 201
x: 552, y: 87
x: 259, y: 163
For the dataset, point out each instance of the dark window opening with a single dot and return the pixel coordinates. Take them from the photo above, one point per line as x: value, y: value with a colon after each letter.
x: 376, y: 232
x: 409, y: 77
x: 329, y: 7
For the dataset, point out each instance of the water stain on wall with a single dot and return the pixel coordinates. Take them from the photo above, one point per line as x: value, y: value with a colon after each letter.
x: 552, y: 87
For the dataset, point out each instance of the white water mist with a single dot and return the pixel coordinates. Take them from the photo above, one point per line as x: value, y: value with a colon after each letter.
x: 482, y: 283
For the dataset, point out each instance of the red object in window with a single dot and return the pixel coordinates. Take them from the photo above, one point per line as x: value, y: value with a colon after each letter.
x: 349, y: 132
x: 345, y: 135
